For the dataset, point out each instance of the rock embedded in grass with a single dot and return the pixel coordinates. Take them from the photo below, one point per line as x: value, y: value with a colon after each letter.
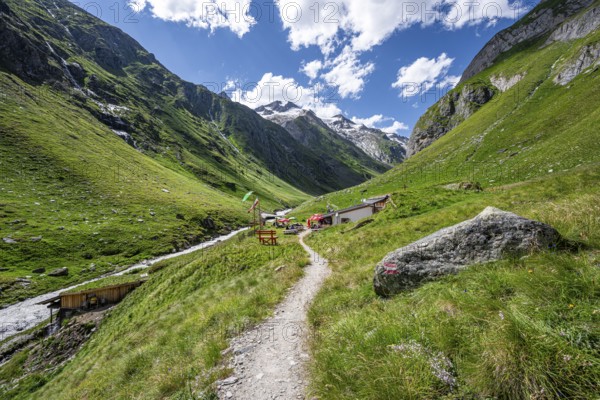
x: 59, y: 272
x: 487, y: 237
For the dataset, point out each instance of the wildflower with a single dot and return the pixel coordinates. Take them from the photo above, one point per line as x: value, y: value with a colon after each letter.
x: 567, y: 358
x: 530, y: 271
x: 501, y: 314
x: 571, y: 305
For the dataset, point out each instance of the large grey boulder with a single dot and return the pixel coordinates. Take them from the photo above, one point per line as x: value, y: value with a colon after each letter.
x: 487, y: 237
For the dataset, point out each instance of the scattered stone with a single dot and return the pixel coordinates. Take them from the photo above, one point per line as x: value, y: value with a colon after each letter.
x: 39, y: 271
x: 278, y: 268
x: 229, y: 381
x: 166, y: 191
x: 61, y: 228
x: 487, y: 237
x: 59, y: 272
x: 152, y: 213
x: 9, y: 241
x: 208, y: 223
x: 475, y: 186
x: 36, y: 239
x: 243, y: 350
x: 226, y: 351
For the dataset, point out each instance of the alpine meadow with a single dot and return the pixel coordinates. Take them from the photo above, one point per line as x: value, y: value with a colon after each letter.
x: 161, y: 239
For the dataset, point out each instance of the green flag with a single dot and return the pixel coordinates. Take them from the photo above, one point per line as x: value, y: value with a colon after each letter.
x: 247, y: 196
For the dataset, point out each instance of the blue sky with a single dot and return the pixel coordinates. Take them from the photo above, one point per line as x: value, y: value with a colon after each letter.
x: 380, y: 62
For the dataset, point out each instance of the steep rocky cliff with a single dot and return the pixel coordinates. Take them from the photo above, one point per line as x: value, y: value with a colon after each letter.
x: 541, y: 20
x: 550, y: 22
x: 451, y: 110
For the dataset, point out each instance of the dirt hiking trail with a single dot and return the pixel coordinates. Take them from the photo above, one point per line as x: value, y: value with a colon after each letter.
x: 269, y: 361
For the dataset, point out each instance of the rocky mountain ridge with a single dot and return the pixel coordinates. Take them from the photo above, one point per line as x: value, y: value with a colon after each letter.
x: 111, y: 76
x: 386, y: 148
x: 543, y: 19
x: 559, y: 21
x: 307, y: 128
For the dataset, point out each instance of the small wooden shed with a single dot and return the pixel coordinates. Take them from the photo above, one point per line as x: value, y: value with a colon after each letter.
x: 98, y: 296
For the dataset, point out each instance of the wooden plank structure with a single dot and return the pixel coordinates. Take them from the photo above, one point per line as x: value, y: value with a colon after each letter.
x: 267, y: 237
x: 92, y: 298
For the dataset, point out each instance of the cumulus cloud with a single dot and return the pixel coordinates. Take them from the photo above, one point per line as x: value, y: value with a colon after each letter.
x: 345, y: 29
x: 367, y: 23
x: 385, y: 124
x: 272, y: 87
x: 395, y: 127
x: 347, y: 73
x: 312, y: 69
x: 424, y: 74
x: 235, y: 15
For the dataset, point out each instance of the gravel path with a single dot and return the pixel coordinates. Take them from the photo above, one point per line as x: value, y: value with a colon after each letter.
x: 269, y: 360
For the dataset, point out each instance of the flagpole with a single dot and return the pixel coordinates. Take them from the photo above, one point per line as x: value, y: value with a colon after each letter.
x: 259, y: 216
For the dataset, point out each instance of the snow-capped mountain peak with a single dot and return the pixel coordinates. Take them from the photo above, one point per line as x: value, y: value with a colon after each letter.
x: 278, y: 107
x: 387, y: 148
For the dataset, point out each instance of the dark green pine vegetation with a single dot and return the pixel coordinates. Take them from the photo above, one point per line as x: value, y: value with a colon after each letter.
x: 519, y: 328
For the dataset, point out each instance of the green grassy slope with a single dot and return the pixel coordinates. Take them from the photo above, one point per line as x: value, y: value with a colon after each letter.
x: 91, y: 196
x: 93, y: 199
x: 522, y: 328
x: 534, y: 129
x: 514, y: 329
x: 178, y: 121
x: 165, y: 339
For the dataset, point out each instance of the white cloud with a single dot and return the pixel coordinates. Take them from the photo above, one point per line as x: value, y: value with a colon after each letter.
x: 272, y: 87
x: 382, y: 123
x: 235, y: 15
x: 367, y: 23
x: 450, y: 81
x: 347, y: 73
x: 424, y: 74
x: 312, y: 69
x: 395, y: 127
x: 370, y: 121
